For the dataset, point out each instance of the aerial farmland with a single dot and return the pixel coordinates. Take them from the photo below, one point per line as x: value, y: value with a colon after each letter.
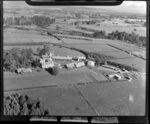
x: 77, y: 61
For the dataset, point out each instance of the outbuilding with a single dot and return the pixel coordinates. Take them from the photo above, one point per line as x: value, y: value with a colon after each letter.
x: 70, y: 65
x: 90, y: 63
x: 114, y: 76
x: 79, y: 64
x: 22, y: 70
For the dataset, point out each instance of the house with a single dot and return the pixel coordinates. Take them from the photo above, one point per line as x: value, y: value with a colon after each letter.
x: 90, y: 63
x: 46, y: 62
x: 79, y: 64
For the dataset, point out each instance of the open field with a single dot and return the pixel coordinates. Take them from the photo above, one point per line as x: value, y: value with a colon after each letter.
x: 117, y: 54
x: 92, y: 47
x: 118, y: 102
x: 116, y: 98
x: 117, y: 24
x: 54, y: 49
x: 39, y: 79
x: 133, y: 62
x: 12, y: 35
x: 63, y: 100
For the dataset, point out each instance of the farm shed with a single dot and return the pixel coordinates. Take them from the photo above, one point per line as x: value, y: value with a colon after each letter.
x: 110, y: 67
x: 70, y: 65
x: 115, y: 76
x: 81, y: 58
x: 79, y: 64
x: 62, y: 57
x: 22, y: 70
x: 127, y: 76
x: 91, y: 63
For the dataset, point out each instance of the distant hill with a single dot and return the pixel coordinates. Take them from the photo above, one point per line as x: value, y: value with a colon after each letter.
x: 90, y: 9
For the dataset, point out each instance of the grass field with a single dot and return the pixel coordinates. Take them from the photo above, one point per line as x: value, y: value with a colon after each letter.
x: 54, y: 49
x: 117, y: 54
x: 63, y: 100
x: 39, y: 79
x: 12, y: 35
x: 92, y: 47
x: 119, y: 25
x: 133, y: 62
x: 113, y: 99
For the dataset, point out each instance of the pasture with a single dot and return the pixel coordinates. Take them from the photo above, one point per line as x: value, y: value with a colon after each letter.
x: 64, y: 100
x: 113, y: 98
x: 54, y: 49
x: 92, y: 47
x: 94, y: 99
x: 117, y: 24
x: 12, y: 35
x: 42, y: 79
x: 133, y: 62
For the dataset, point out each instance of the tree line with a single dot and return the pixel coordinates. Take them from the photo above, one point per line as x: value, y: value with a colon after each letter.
x: 115, y: 35
x: 40, y: 21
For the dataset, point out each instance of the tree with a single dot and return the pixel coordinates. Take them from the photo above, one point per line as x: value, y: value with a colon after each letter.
x: 58, y: 28
x: 55, y: 70
x: 42, y: 52
x: 46, y: 48
x: 35, y: 63
x: 38, y: 50
x: 42, y: 21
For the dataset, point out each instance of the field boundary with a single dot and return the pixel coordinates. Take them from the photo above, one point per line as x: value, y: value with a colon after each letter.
x: 126, y: 51
x: 86, y: 100
x: 57, y: 85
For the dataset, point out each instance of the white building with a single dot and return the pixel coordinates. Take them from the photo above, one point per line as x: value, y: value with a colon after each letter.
x: 22, y: 70
x: 116, y: 76
x: 79, y: 64
x: 91, y: 63
x: 46, y: 62
x: 62, y: 57
x: 110, y: 67
x: 81, y: 58
x: 70, y: 65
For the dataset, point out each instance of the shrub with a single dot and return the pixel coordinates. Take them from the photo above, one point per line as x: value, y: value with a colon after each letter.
x: 55, y: 70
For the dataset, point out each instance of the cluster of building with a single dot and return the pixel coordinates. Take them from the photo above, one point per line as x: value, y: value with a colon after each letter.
x: 46, y: 61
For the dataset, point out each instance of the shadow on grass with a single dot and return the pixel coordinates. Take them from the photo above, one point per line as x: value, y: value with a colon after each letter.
x: 53, y: 71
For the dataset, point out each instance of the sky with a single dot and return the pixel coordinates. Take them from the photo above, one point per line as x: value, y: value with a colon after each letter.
x: 129, y: 6
x: 126, y: 6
